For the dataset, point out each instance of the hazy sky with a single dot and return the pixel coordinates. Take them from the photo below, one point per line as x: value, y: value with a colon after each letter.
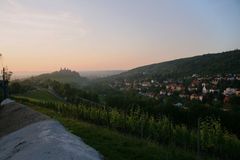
x: 44, y: 35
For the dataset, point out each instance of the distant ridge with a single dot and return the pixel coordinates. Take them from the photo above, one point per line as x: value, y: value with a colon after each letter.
x: 217, y: 63
x: 63, y: 75
x: 100, y: 74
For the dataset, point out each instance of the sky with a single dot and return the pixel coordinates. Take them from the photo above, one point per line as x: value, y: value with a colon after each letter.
x: 46, y: 35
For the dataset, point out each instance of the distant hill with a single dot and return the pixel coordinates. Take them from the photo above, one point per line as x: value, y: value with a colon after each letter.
x: 218, y: 63
x: 100, y: 74
x: 64, y: 76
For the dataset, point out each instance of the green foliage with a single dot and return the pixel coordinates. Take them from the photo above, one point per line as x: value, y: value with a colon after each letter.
x: 211, y: 133
x: 53, y: 89
x: 213, y: 139
x: 72, y: 94
x: 17, y: 87
x: 116, y: 146
x: 41, y: 94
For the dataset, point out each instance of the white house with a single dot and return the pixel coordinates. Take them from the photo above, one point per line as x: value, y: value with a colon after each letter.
x: 229, y: 91
x: 204, y: 90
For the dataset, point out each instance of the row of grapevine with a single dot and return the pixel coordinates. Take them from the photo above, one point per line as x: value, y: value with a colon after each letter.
x: 213, y: 139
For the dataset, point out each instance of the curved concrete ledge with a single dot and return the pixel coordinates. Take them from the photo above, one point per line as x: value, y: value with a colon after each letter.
x: 40, y: 138
x: 14, y: 116
x: 46, y: 140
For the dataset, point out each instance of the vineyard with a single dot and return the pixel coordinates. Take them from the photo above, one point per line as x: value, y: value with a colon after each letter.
x: 209, y: 139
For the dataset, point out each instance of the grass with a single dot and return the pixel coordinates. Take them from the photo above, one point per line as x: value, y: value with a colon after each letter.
x: 116, y: 146
x: 41, y: 94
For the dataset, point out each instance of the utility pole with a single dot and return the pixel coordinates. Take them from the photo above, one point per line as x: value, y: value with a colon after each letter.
x: 5, y: 83
x: 5, y: 80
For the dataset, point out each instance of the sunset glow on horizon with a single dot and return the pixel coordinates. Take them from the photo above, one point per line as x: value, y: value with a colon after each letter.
x: 45, y: 35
